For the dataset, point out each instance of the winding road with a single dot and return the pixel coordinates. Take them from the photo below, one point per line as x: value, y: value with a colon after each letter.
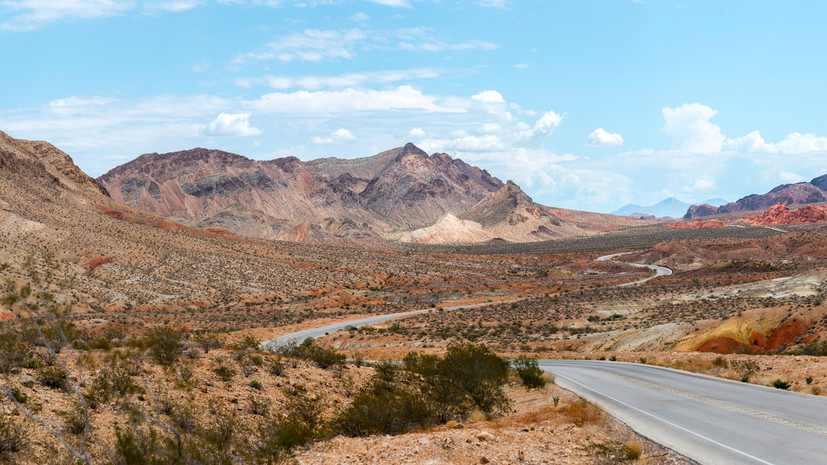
x: 709, y: 420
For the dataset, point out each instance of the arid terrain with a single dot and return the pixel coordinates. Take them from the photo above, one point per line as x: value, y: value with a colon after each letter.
x: 138, y: 338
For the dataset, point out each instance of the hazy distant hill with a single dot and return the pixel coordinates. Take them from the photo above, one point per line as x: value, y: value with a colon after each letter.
x: 668, y: 207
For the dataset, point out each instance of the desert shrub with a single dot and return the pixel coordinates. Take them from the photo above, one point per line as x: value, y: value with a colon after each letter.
x: 165, y: 344
x: 385, y: 408
x: 13, y: 436
x: 279, y: 435
x: 13, y: 351
x: 309, y: 350
x: 259, y: 406
x: 529, y: 372
x: 815, y: 348
x: 479, y: 372
x: 248, y: 343
x: 101, y: 343
x: 208, y: 342
x: 808, y: 380
x: 75, y: 420
x: 256, y: 385
x: 31, y: 363
x: 781, y: 384
x: 276, y: 367
x: 53, y: 377
x: 720, y: 362
x: 613, y: 452
x: 224, y: 371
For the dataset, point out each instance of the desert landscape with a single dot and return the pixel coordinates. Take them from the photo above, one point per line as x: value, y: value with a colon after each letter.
x: 244, y: 232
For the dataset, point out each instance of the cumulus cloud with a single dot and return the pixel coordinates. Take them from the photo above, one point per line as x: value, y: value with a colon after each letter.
x: 231, y: 125
x: 339, y: 135
x: 349, y: 100
x: 690, y: 126
x: 489, y: 96
x: 602, y: 138
x: 796, y: 143
x: 417, y: 132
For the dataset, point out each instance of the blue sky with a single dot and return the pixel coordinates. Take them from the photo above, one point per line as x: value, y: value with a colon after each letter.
x: 587, y: 104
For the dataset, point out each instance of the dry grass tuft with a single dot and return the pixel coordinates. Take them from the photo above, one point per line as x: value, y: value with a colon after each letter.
x: 582, y: 412
x: 477, y: 416
x: 634, y: 450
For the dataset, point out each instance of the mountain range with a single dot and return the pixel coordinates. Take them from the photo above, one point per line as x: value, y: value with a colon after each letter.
x: 670, y: 207
x: 801, y: 193
x: 400, y: 194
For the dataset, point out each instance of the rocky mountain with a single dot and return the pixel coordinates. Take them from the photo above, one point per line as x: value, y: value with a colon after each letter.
x: 669, y: 207
x: 801, y: 193
x: 385, y: 196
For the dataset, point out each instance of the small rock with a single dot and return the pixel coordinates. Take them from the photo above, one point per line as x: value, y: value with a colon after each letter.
x: 28, y: 381
x: 520, y: 456
x: 486, y: 436
x: 483, y: 459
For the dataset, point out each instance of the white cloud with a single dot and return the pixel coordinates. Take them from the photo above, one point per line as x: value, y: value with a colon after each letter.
x: 393, y: 3
x: 542, y: 128
x: 348, y: 101
x: 522, y: 66
x: 691, y: 128
x: 489, y: 96
x: 417, y: 132
x: 789, y: 176
x: 175, y: 6
x: 360, y: 17
x: 231, y: 125
x: 33, y: 14
x: 796, y: 143
x: 751, y: 143
x: 494, y: 3
x: 339, y: 135
x: 316, y: 82
x: 76, y: 105
x: 341, y: 44
x: 602, y: 138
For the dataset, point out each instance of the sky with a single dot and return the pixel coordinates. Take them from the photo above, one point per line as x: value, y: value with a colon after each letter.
x: 586, y: 104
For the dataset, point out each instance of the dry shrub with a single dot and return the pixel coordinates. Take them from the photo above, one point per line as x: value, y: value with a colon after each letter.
x: 477, y: 416
x: 582, y: 412
x: 634, y: 450
x: 815, y: 390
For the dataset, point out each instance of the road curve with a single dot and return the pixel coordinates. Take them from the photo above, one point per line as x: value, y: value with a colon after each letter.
x: 710, y: 420
x: 659, y: 270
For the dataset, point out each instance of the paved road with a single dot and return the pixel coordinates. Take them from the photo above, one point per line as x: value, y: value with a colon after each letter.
x: 659, y: 270
x: 332, y: 328
x: 709, y: 420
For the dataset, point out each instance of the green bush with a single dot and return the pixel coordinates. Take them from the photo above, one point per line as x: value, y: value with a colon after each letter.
x: 13, y: 436
x: 53, y: 377
x: 165, y: 344
x: 384, y: 409
x: 225, y: 372
x: 529, y: 372
x: 781, y: 384
x: 309, y: 350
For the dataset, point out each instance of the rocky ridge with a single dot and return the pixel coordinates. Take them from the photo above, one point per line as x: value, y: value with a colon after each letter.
x: 801, y: 193
x: 386, y: 196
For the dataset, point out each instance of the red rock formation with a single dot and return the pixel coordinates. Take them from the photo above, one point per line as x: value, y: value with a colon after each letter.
x: 779, y: 214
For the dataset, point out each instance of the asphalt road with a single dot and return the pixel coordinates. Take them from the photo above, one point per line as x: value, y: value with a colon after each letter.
x: 322, y: 331
x: 709, y: 420
x: 659, y: 270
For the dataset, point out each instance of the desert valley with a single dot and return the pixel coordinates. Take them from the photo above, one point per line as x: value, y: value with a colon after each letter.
x: 135, y: 307
x: 421, y: 232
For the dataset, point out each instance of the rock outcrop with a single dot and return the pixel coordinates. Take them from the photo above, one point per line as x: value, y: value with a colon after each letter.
x: 779, y: 214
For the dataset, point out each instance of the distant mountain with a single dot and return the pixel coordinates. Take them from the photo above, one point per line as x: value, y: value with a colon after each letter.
x: 385, y: 196
x: 671, y: 207
x: 801, y: 193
